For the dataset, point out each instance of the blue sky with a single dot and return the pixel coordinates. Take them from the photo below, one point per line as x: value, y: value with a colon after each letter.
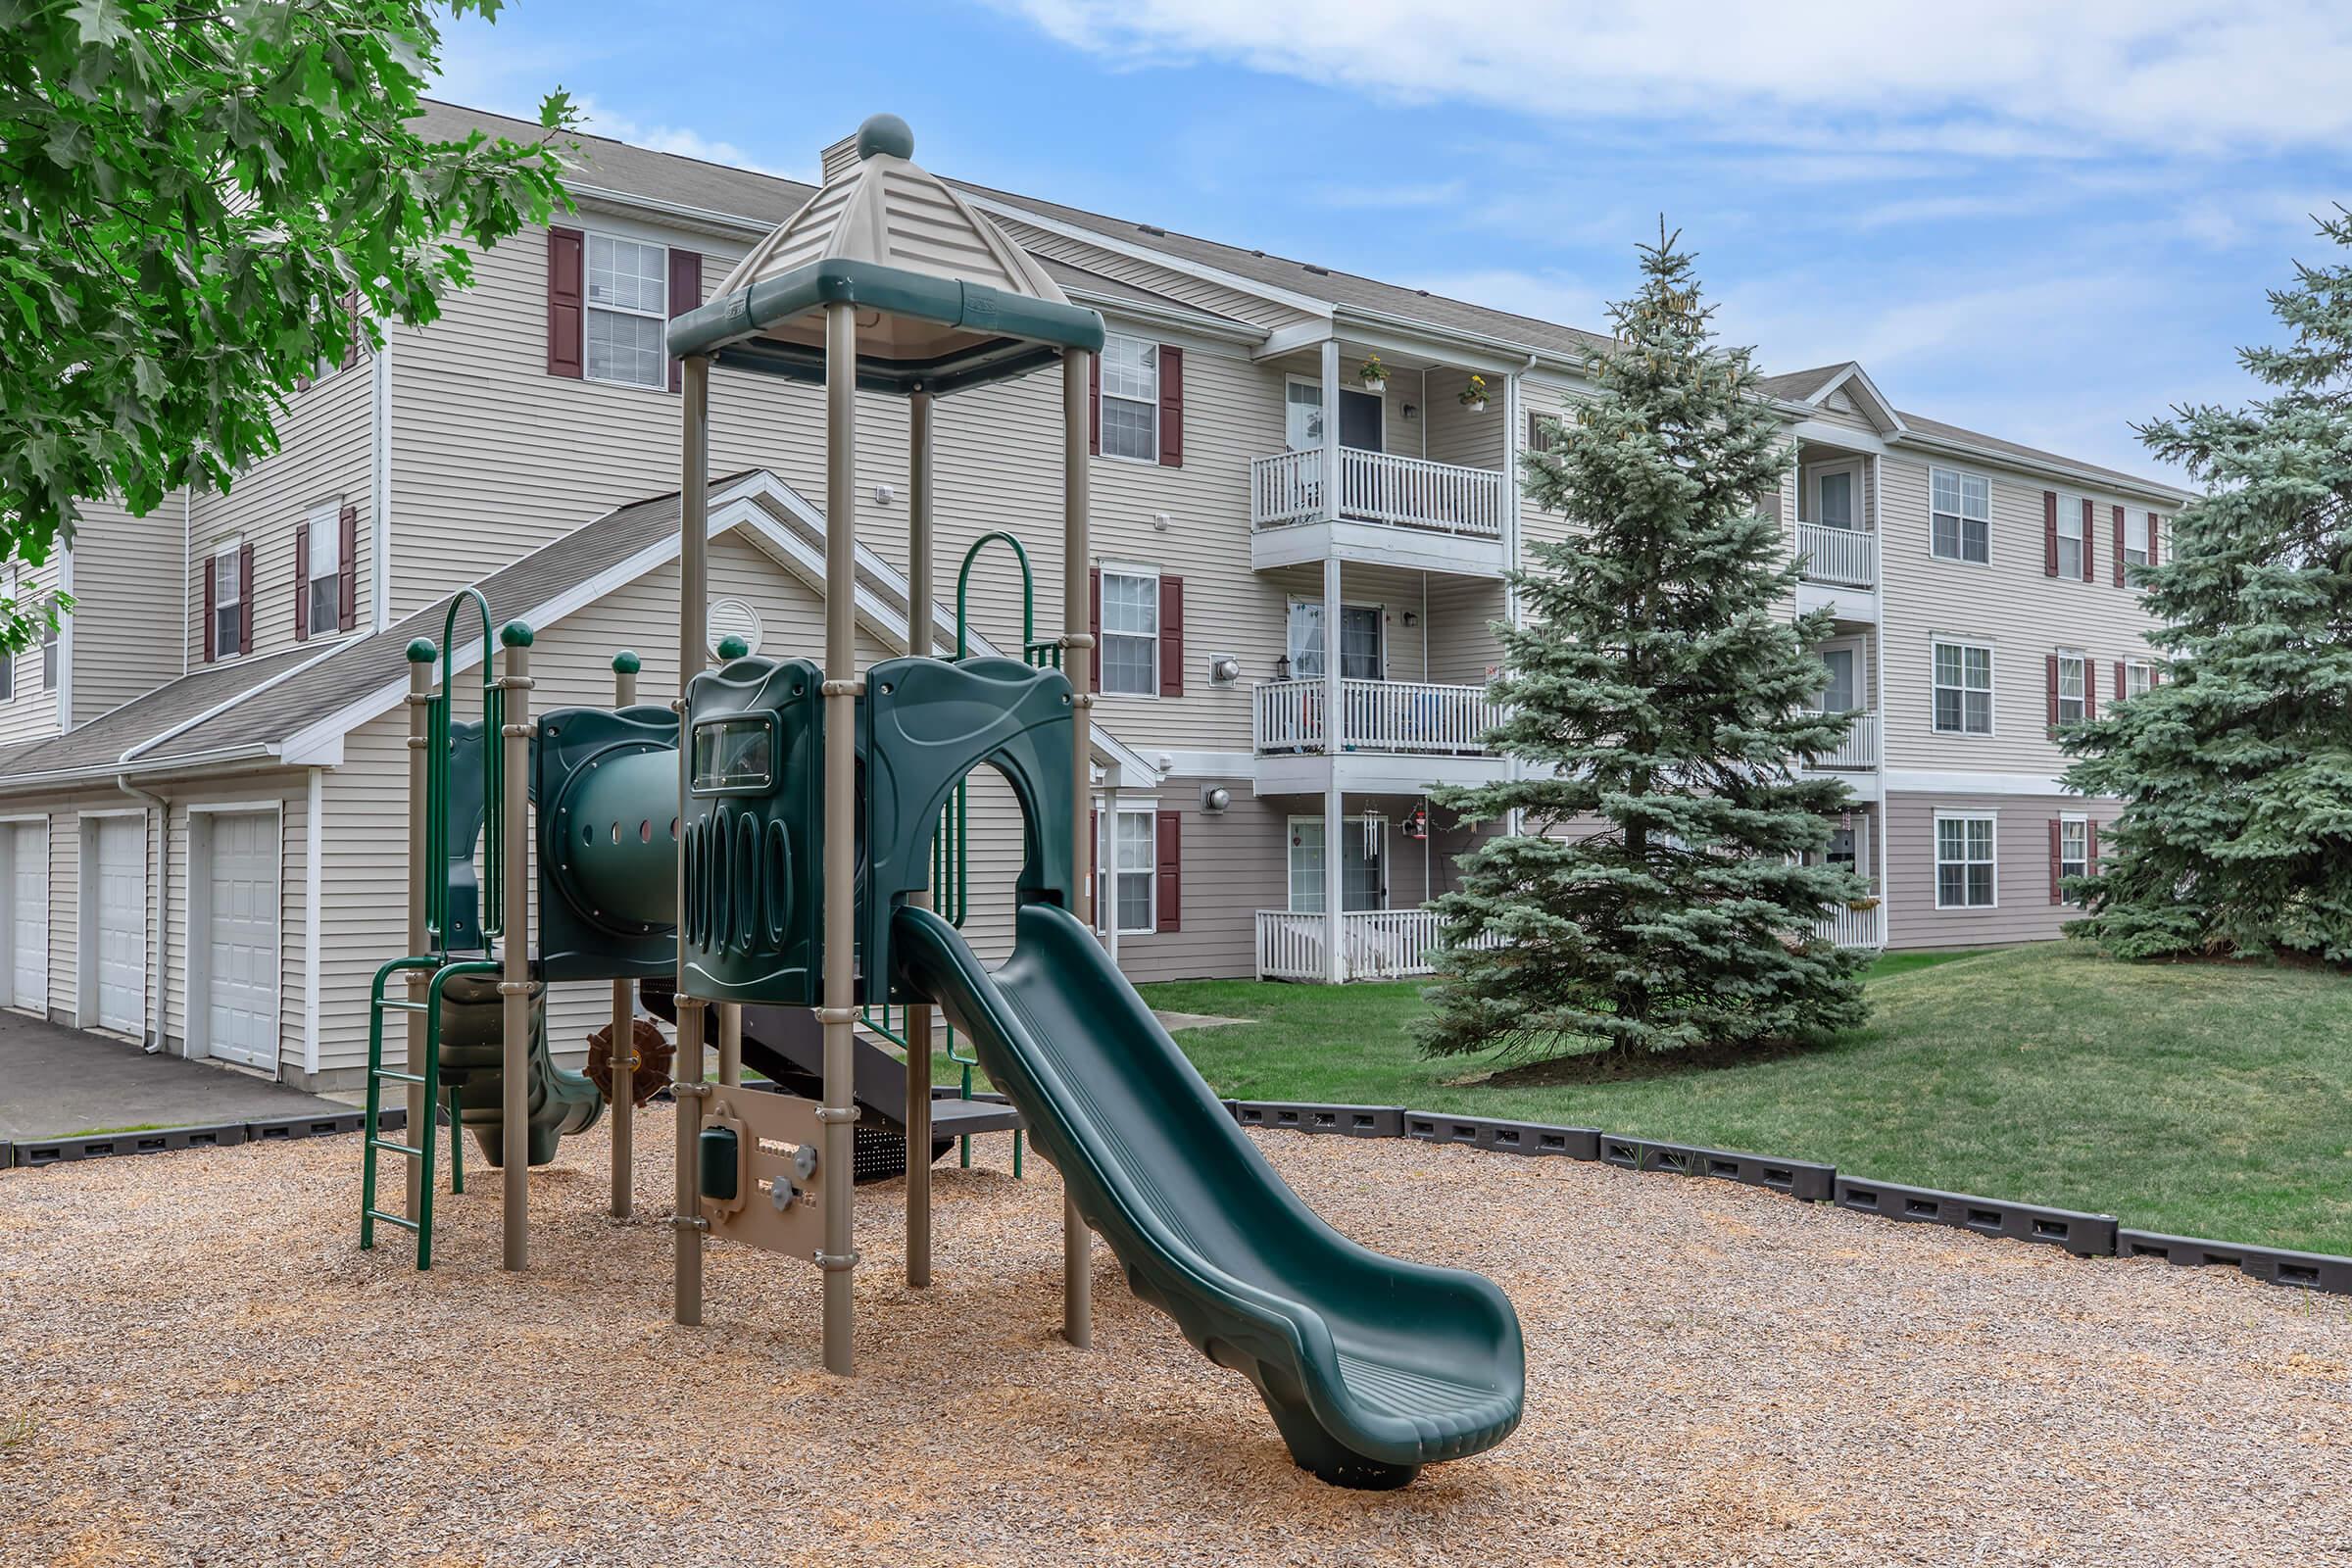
x: 2040, y: 221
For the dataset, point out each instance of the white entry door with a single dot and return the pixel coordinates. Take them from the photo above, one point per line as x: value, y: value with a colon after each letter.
x: 29, y: 917
x: 122, y: 924
x: 240, y: 955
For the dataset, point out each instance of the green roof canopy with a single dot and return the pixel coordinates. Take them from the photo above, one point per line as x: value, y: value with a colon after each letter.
x: 946, y: 298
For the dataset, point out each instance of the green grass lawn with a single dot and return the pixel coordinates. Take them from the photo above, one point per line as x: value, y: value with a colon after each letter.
x: 2197, y: 1098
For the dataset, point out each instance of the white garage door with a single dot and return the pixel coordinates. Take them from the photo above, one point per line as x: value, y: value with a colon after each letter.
x: 122, y: 924
x: 29, y: 917
x: 241, y: 939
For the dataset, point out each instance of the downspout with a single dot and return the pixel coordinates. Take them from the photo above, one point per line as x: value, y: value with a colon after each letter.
x: 1877, y: 644
x: 1514, y: 421
x: 379, y: 498
x: 187, y: 573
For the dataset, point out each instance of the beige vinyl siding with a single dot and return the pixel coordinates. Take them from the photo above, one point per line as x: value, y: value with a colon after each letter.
x: 31, y: 711
x: 123, y: 568
x: 1457, y: 435
x: 326, y: 458
x: 2007, y: 603
x: 2022, y: 869
x: 1542, y: 395
x: 1232, y: 866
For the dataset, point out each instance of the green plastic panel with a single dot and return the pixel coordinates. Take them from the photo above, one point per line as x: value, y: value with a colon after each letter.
x: 466, y: 811
x: 607, y: 787
x: 754, y: 833
x: 927, y: 724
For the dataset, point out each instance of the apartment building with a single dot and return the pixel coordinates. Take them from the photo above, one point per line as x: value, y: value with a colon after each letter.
x: 1305, y: 522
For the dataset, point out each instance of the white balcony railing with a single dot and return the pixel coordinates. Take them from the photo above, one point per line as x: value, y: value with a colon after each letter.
x: 1859, y: 751
x: 1374, y: 944
x: 1858, y: 928
x: 1379, y: 487
x: 1846, y: 556
x: 1376, y: 716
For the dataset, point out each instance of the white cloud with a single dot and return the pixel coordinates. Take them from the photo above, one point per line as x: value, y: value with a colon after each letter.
x: 683, y: 140
x: 1998, y: 78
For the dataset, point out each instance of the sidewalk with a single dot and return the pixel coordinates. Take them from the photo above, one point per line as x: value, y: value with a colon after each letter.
x: 57, y: 1082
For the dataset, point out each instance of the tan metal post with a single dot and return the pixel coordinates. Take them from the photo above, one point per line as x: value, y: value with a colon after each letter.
x: 694, y: 547
x: 623, y: 1060
x: 839, y: 1014
x: 1077, y: 1245
x: 730, y: 1044
x: 514, y: 988
x: 919, y: 642
x: 421, y: 697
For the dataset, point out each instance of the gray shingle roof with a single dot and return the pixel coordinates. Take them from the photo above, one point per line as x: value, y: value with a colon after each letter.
x: 104, y: 739
x: 1799, y: 385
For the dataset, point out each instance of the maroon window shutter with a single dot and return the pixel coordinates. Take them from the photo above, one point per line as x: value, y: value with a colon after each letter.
x: 2057, y: 895
x: 2091, y: 688
x: 2152, y: 521
x: 2119, y: 681
x: 1171, y: 636
x: 2050, y: 669
x: 1168, y: 873
x: 1094, y: 403
x: 1094, y: 842
x: 347, y: 573
x: 2119, y: 547
x: 2090, y: 849
x: 209, y: 652
x: 567, y: 302
x: 2049, y: 533
x: 302, y: 582
x: 1094, y: 627
x: 1171, y: 406
x: 245, y: 598
x: 685, y: 293
x: 2090, y: 534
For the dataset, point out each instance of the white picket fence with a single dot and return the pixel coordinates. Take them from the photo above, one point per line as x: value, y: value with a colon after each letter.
x: 1857, y: 928
x: 1860, y: 747
x: 1382, y: 487
x: 1376, y: 716
x: 1846, y: 556
x: 1374, y: 944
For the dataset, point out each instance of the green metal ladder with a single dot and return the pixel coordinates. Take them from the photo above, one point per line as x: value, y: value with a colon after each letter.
x: 423, y: 1142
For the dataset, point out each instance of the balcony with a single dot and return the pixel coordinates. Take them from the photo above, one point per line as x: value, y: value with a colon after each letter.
x: 1393, y: 736
x: 1395, y: 511
x: 1374, y: 944
x: 1858, y: 753
x: 1840, y: 571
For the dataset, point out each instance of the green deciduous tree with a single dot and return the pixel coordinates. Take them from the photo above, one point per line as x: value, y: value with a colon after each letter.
x: 1659, y: 699
x: 196, y: 200
x: 2236, y: 771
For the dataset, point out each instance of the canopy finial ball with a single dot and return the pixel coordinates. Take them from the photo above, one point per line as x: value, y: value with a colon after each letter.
x: 886, y: 135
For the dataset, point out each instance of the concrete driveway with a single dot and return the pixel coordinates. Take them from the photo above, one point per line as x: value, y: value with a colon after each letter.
x: 55, y: 1081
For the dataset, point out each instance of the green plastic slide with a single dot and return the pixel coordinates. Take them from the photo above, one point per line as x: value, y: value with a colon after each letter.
x: 473, y: 1059
x: 1372, y: 1367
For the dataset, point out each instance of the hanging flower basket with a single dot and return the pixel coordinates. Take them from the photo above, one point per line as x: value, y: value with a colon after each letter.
x: 1372, y: 375
x: 1863, y: 905
x: 1474, y: 395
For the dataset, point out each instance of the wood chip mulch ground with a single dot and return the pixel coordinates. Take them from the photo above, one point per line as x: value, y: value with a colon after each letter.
x: 198, y: 1367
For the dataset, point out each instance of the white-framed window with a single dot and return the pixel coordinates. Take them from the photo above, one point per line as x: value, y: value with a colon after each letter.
x: 49, y: 658
x: 1966, y: 872
x: 2070, y: 536
x: 2139, y: 530
x: 1303, y: 414
x: 1363, y: 867
x: 1133, y: 870
x: 1960, y: 523
x: 1963, y: 688
x: 229, y: 593
x: 2138, y: 675
x: 2073, y: 686
x: 2074, y: 847
x: 1131, y: 399
x: 628, y: 308
x: 1130, y: 633
x: 322, y: 595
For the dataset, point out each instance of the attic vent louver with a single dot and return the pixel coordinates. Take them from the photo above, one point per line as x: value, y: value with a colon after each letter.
x: 1319, y: 272
x: 1152, y: 229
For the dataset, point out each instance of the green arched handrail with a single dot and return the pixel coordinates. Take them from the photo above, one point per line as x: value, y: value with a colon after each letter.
x: 438, y: 756
x: 964, y: 584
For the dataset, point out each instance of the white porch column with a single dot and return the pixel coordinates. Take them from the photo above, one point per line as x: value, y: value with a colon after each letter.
x: 1331, y: 434
x: 1334, y: 959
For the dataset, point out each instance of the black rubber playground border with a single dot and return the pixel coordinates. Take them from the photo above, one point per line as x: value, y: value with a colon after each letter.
x: 2070, y: 1230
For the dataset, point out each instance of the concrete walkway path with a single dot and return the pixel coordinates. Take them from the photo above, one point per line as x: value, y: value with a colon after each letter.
x: 57, y: 1082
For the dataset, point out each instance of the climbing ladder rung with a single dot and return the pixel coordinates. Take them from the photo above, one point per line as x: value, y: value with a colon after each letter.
x: 390, y: 1147
x: 400, y: 1220
x: 387, y: 1075
x: 390, y: 1005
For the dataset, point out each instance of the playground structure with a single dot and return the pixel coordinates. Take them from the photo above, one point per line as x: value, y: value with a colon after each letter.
x: 774, y: 846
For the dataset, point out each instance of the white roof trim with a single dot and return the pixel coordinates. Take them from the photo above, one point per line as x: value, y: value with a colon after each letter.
x: 1883, y: 412
x: 1272, y: 293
